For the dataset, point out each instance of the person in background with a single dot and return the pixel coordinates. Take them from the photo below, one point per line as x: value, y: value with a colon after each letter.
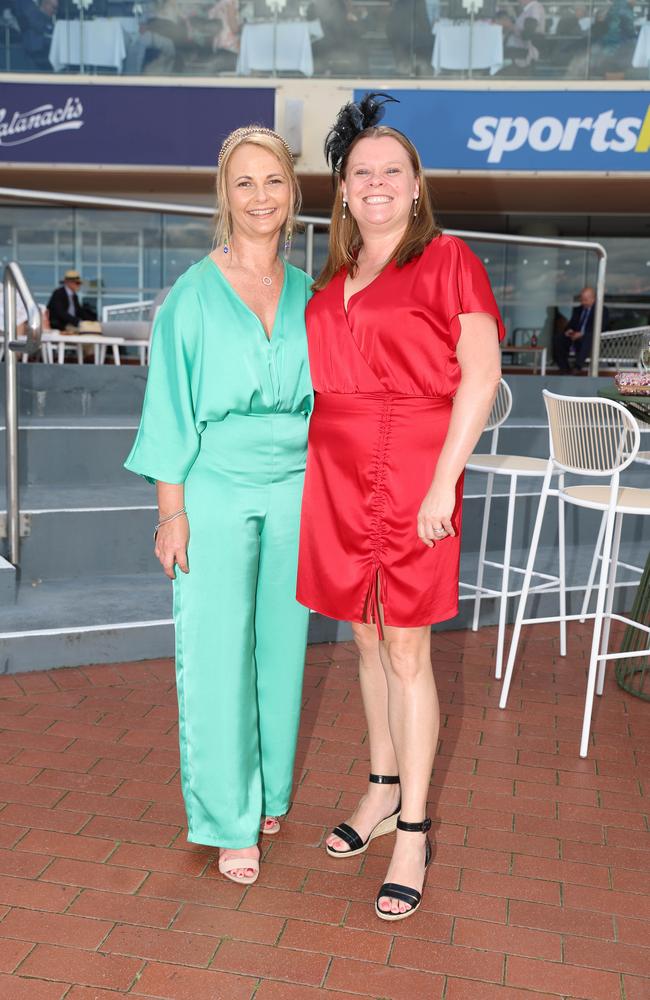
x: 341, y: 47
x: 577, y: 338
x: 613, y: 39
x: 225, y: 43
x: 64, y: 307
x: 408, y: 30
x: 168, y: 35
x: 36, y: 22
x: 529, y: 27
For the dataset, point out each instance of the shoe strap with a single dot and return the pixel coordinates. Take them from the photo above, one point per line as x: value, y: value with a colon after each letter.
x: 402, y: 892
x: 349, y: 835
x: 422, y: 827
x: 384, y: 779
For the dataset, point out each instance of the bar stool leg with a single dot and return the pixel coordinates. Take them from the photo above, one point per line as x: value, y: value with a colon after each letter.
x: 530, y: 565
x: 116, y: 354
x: 505, y: 577
x: 598, y: 626
x: 562, y: 565
x: 609, y: 602
x: 592, y: 571
x: 481, y: 554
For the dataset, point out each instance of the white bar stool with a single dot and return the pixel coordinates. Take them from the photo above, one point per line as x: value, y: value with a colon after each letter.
x: 592, y: 437
x: 643, y: 458
x: 514, y: 467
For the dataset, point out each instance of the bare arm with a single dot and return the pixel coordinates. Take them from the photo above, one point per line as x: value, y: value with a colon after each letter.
x: 172, y: 538
x: 480, y: 364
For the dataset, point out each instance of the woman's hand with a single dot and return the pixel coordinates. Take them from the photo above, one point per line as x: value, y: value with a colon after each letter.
x: 171, y: 546
x: 434, y: 516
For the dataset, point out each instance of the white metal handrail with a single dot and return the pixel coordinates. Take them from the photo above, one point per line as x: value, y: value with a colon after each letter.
x: 312, y: 222
x: 14, y: 285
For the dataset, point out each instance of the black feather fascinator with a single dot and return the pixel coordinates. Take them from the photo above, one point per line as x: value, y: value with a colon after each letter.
x: 352, y: 119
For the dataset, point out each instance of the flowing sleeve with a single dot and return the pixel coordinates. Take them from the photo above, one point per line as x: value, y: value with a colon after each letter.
x: 469, y: 289
x: 169, y: 436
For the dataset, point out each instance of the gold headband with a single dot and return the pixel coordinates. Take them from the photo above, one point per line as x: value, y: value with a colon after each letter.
x: 241, y: 134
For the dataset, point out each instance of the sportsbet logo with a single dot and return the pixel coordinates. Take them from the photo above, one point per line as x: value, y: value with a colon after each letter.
x: 606, y: 133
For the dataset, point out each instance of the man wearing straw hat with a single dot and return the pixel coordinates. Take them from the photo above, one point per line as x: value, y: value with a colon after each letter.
x: 64, y: 306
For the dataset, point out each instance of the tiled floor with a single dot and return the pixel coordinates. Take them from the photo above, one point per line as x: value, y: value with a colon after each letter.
x: 540, y: 886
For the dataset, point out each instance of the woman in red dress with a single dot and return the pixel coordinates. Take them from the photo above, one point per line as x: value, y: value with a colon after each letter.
x: 403, y: 338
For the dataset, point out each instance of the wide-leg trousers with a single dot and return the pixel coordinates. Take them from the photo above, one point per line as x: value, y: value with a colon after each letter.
x: 240, y: 633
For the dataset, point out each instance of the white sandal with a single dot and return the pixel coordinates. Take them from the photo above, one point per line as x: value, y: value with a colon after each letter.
x: 273, y: 829
x: 236, y: 864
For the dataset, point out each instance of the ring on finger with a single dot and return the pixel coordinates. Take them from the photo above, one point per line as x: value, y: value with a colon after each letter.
x: 439, y: 531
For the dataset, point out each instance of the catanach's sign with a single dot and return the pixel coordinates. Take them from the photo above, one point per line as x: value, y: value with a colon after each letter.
x: 124, y: 125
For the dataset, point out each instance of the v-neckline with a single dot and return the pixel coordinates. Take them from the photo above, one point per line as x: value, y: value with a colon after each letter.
x: 267, y: 336
x: 346, y: 305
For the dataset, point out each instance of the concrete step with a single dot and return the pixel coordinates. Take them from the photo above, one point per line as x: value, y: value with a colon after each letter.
x: 52, y: 450
x: 106, y: 528
x: 7, y: 583
x: 79, y: 390
x: 100, y: 619
x: 68, y: 543
x: 91, y: 619
x: 93, y: 450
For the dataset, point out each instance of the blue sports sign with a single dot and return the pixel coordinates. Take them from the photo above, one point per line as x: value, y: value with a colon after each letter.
x: 569, y: 131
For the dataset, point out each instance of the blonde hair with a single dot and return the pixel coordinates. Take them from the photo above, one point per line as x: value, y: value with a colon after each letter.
x: 265, y: 138
x: 345, y: 239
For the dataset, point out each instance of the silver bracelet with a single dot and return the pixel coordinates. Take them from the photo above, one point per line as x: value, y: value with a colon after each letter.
x: 166, y: 520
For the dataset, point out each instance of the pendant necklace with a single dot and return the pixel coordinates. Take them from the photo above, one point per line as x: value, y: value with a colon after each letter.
x: 266, y: 278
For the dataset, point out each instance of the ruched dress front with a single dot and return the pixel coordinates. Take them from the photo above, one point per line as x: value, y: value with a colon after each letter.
x: 385, y: 373
x: 226, y: 414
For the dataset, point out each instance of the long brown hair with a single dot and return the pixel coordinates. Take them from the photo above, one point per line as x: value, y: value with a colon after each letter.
x: 345, y: 239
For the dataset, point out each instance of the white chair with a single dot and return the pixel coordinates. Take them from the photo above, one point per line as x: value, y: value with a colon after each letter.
x: 643, y: 458
x: 590, y: 437
x: 118, y: 321
x: 514, y: 467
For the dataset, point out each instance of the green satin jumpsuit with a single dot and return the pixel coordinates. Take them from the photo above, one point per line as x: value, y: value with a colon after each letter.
x: 226, y: 413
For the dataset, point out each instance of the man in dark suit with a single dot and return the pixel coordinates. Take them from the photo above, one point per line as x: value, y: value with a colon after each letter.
x: 64, y: 306
x: 577, y: 337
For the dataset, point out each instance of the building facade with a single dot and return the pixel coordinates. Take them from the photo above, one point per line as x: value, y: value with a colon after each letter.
x: 530, y: 119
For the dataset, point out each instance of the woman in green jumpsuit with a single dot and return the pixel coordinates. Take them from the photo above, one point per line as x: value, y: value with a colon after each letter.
x: 224, y: 433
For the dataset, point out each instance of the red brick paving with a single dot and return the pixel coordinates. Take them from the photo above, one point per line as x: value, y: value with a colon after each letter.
x: 539, y: 889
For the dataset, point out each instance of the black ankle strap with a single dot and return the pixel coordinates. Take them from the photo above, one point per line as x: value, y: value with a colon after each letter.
x: 422, y: 827
x: 384, y: 779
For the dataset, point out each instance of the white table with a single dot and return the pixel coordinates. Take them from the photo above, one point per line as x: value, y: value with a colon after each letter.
x: 267, y: 46
x: 104, y: 42
x: 641, y: 57
x: 536, y: 352
x: 452, y: 46
x: 97, y: 341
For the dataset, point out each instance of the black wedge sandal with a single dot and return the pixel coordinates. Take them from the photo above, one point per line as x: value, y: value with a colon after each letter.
x: 404, y: 893
x: 349, y: 834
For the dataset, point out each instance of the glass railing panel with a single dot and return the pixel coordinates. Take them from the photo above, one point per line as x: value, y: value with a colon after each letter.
x: 184, y: 241
x: 449, y: 39
x: 628, y: 280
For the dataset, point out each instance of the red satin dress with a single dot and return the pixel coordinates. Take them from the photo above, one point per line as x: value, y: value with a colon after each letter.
x: 385, y: 373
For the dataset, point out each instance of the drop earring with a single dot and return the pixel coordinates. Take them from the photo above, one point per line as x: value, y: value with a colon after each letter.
x: 344, y: 213
x: 288, y: 237
x: 415, y: 207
